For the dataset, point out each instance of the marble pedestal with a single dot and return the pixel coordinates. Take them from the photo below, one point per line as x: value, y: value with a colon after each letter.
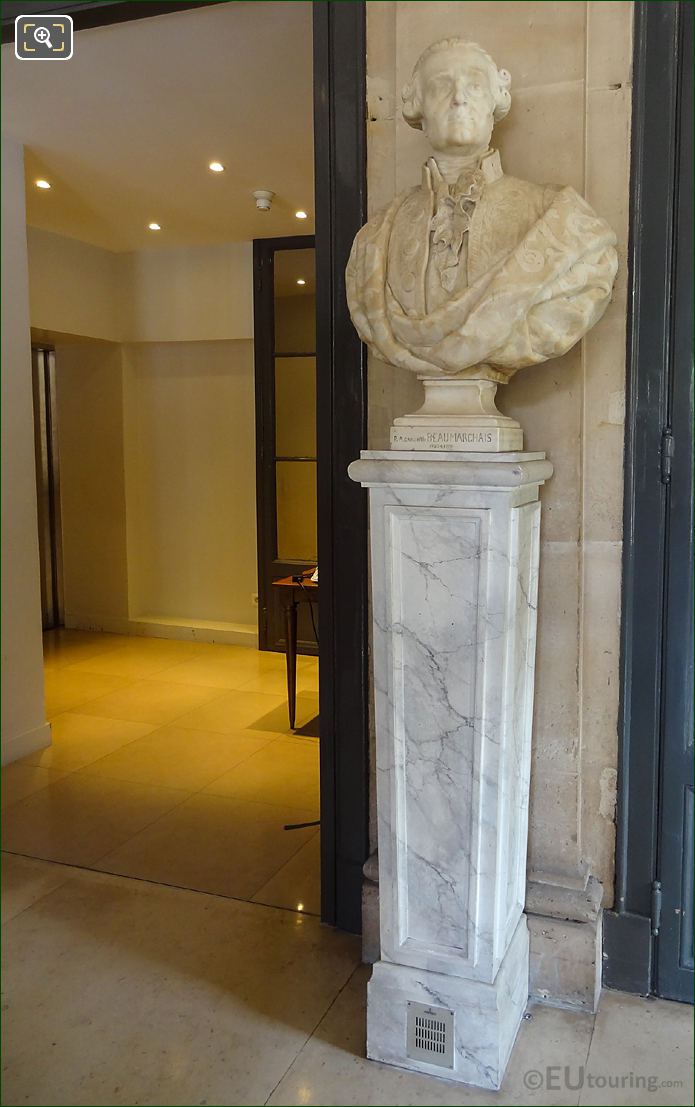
x: 454, y: 541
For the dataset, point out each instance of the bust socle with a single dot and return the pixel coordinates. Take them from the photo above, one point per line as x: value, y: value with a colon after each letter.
x: 473, y: 274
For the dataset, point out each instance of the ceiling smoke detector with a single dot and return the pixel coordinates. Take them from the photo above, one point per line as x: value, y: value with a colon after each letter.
x: 263, y: 198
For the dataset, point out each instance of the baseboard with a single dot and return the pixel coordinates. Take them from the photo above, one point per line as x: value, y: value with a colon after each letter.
x: 164, y: 626
x: 195, y: 630
x: 105, y: 624
x: 22, y: 744
x: 565, y: 962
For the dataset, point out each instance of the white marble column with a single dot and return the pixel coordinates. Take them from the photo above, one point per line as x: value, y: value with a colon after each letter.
x: 454, y: 583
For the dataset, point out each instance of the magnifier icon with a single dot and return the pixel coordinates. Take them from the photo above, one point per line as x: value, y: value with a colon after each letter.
x: 43, y: 36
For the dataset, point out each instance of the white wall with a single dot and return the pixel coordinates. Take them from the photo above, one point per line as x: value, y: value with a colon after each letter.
x: 24, y: 727
x: 191, y: 480
x: 74, y: 287
x: 188, y: 294
x: 156, y: 431
x: 89, y: 396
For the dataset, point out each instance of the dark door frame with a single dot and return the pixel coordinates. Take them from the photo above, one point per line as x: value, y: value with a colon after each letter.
x: 340, y: 194
x: 658, y: 368
x: 341, y: 401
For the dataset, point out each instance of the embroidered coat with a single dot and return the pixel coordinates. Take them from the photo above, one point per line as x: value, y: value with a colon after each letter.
x: 539, y: 270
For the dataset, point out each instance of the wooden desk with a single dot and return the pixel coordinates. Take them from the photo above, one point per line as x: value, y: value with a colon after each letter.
x: 293, y: 594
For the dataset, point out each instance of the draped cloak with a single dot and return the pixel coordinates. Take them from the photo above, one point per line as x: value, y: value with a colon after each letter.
x: 540, y: 270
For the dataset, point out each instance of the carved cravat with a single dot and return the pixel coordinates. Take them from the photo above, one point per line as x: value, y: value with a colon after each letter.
x: 454, y: 206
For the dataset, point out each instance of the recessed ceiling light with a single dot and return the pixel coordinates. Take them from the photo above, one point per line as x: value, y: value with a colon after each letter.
x: 301, y: 281
x: 300, y: 215
x: 42, y: 184
x: 153, y: 227
x: 216, y: 166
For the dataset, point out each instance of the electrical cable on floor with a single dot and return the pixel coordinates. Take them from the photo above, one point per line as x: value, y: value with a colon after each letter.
x: 301, y: 826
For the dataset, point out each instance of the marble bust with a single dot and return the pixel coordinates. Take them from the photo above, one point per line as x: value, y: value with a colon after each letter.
x: 474, y: 274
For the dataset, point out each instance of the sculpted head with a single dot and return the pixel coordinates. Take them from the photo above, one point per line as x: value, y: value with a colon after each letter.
x: 456, y: 95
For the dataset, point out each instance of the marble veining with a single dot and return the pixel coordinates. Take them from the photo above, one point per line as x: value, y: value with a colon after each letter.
x: 435, y: 571
x: 454, y: 593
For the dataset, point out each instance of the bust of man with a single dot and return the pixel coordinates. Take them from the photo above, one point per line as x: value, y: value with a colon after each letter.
x: 474, y: 274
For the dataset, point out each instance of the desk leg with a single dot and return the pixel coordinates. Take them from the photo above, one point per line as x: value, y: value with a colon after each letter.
x: 291, y: 658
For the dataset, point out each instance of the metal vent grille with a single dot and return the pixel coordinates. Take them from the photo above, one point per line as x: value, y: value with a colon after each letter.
x: 430, y: 1034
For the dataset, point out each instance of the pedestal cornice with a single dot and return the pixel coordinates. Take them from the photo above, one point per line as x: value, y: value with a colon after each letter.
x: 456, y: 470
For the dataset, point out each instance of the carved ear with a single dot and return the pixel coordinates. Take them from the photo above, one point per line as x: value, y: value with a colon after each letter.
x: 504, y: 96
x: 412, y: 104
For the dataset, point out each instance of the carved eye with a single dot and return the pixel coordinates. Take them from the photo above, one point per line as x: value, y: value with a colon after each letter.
x: 440, y: 84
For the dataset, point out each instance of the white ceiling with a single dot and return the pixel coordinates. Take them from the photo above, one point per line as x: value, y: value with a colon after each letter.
x: 125, y: 130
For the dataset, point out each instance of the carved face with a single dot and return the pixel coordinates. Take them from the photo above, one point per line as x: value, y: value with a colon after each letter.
x: 457, y: 101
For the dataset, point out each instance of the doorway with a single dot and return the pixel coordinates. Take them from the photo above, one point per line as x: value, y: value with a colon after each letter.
x: 341, y: 402
x: 43, y: 381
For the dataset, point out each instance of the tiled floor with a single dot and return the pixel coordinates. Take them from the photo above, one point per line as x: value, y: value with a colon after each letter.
x: 124, y: 992
x: 172, y: 762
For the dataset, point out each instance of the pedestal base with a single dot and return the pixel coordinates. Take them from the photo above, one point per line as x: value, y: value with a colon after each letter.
x: 457, y: 414
x: 467, y: 1029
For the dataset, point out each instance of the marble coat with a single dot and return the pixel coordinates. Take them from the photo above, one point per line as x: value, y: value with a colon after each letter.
x: 540, y: 267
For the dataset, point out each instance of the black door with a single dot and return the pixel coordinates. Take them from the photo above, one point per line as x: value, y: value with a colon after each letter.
x: 648, y: 935
x: 674, y: 951
x: 285, y: 365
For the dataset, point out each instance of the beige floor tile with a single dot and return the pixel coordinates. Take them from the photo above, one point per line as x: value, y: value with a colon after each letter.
x: 646, y: 1044
x: 25, y: 880
x: 307, y: 708
x: 80, y: 818
x: 66, y: 647
x: 310, y: 680
x: 284, y: 772
x: 77, y: 740
x: 222, y: 649
x: 226, y: 669
x: 150, y: 701
x: 231, y: 712
x: 119, y: 992
x: 66, y: 690
x: 140, y: 657
x: 332, y: 1069
x: 298, y: 883
x: 213, y: 844
x: 307, y: 661
x: 176, y: 758
x: 276, y: 682
x: 22, y: 779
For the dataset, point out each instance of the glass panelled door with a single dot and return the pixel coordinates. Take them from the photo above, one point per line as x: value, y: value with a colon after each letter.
x: 285, y: 342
